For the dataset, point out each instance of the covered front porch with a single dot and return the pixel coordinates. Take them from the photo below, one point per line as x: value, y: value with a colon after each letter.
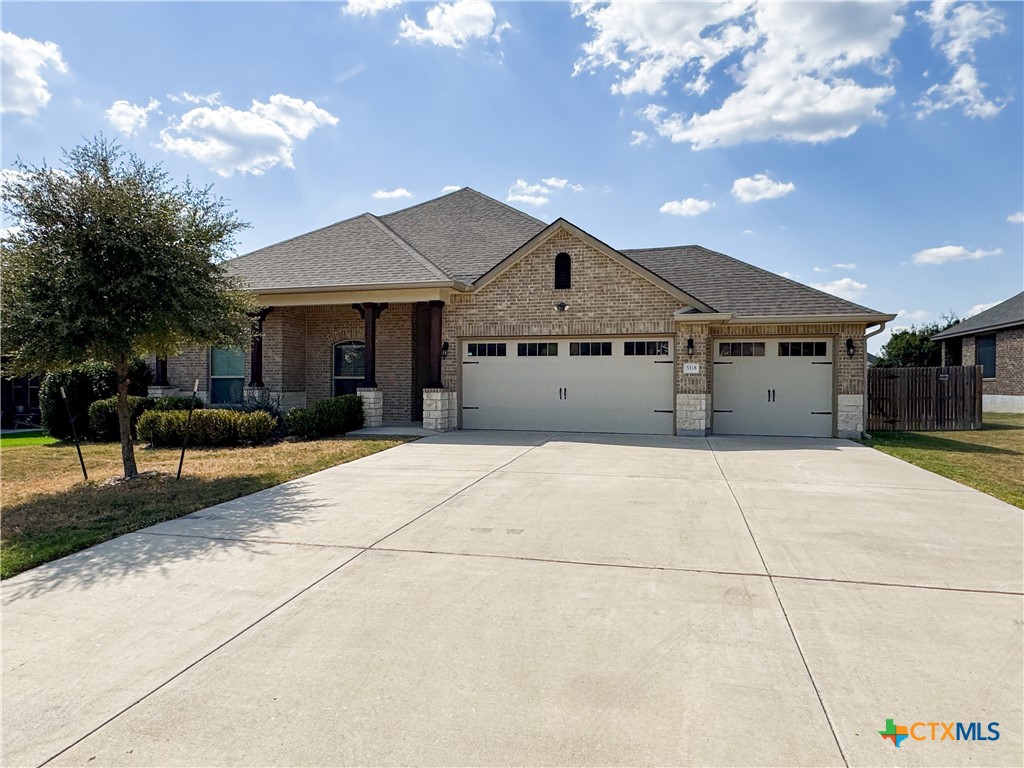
x: 386, y: 346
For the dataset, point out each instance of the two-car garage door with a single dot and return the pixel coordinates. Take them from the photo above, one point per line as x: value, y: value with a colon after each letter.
x: 569, y: 384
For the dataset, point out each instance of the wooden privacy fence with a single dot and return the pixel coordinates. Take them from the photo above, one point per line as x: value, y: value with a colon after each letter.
x: 901, y: 399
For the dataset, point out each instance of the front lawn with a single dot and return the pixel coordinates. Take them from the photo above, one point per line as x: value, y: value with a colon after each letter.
x: 49, y: 512
x: 22, y: 439
x: 989, y: 459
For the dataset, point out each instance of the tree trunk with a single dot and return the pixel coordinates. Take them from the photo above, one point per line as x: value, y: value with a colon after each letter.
x: 124, y: 423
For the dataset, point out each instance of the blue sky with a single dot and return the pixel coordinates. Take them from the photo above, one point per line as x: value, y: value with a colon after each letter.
x: 875, y: 151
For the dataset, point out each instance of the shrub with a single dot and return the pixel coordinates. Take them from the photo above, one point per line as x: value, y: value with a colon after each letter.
x: 211, y: 427
x: 256, y: 427
x: 177, y: 403
x: 333, y: 416
x: 84, y: 385
x: 301, y: 422
x: 103, y: 423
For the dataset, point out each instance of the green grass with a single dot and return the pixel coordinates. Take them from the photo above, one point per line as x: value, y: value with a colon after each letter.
x: 989, y: 459
x: 49, y: 511
x: 22, y: 439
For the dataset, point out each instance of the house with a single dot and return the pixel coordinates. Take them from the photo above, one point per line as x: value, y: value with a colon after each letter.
x: 993, y: 339
x: 469, y: 314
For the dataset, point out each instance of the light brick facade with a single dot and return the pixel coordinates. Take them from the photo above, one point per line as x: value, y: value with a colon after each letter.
x: 607, y: 298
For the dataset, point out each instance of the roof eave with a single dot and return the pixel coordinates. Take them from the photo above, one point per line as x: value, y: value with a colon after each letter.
x: 954, y: 332
x: 454, y: 284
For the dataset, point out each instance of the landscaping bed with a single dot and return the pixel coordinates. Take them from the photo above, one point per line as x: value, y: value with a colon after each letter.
x: 989, y: 459
x: 49, y: 511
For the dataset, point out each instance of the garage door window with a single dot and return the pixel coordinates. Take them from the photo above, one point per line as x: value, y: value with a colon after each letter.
x: 802, y: 349
x: 741, y: 349
x: 657, y: 348
x: 490, y: 349
x: 537, y: 349
x: 590, y: 349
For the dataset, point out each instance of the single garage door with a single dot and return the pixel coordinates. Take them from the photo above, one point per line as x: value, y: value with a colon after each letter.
x: 773, y: 387
x: 571, y: 385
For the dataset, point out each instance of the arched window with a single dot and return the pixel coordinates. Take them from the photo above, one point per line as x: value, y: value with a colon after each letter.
x: 563, y: 271
x: 349, y: 359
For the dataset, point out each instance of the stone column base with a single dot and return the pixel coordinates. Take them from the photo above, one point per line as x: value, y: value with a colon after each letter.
x: 373, y: 406
x: 691, y: 415
x: 162, y: 391
x: 438, y: 409
x: 850, y: 419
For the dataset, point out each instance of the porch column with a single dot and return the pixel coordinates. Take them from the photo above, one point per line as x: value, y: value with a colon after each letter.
x: 435, y: 311
x: 256, y: 352
x: 160, y: 374
x: 370, y: 311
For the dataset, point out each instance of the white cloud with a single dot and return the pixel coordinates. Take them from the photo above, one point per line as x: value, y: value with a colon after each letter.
x: 749, y: 232
x: 556, y: 183
x: 759, y: 187
x: 1016, y: 218
x: 210, y: 99
x: 963, y: 89
x: 368, y: 7
x: 914, y: 316
x: 639, y: 137
x: 452, y: 25
x: 818, y: 269
x: 523, y: 191
x: 689, y: 206
x: 130, y: 118
x: 955, y: 31
x: 790, y: 275
x: 849, y: 265
x: 450, y: 188
x: 947, y: 253
x: 844, y: 288
x: 229, y: 140
x: 531, y: 194
x: 801, y: 70
x: 22, y: 61
x: 977, y: 308
x: 391, y: 194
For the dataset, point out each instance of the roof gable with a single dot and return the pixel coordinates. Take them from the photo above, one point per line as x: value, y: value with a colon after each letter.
x: 562, y: 225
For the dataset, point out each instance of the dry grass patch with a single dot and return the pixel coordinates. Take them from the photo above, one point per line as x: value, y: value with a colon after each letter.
x: 49, y: 511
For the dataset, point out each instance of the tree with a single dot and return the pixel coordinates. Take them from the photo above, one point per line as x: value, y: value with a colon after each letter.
x: 913, y: 347
x: 110, y: 261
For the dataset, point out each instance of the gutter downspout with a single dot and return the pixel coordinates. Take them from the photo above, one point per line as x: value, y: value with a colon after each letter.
x: 881, y: 327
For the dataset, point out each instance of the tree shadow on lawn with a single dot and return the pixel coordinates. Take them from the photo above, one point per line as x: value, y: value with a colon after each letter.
x: 52, y: 526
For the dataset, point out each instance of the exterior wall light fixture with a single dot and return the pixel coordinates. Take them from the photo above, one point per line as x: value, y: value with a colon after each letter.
x: 561, y: 306
x: 689, y: 346
x: 444, y: 350
x: 851, y: 350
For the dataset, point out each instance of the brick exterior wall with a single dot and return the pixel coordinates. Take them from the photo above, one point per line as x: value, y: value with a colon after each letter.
x: 1009, y: 379
x: 606, y: 299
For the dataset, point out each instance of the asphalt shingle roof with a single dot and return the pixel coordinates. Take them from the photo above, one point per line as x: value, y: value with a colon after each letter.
x: 730, y: 285
x: 357, y: 251
x: 1009, y: 313
x: 464, y: 233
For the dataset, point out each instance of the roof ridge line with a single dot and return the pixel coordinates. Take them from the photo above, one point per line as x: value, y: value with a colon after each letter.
x: 296, y: 237
x: 506, y: 205
x: 408, y: 248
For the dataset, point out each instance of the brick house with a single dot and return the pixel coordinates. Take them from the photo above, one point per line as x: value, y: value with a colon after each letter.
x: 993, y: 339
x: 466, y: 313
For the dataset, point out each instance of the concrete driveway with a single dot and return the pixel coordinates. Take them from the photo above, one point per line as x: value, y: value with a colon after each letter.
x: 537, y: 599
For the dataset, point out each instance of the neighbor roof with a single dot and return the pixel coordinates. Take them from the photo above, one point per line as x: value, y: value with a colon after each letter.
x: 1005, y: 315
x: 462, y: 236
x: 730, y: 285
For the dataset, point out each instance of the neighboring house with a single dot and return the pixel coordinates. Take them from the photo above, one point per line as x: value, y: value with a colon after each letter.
x: 467, y: 313
x: 19, y: 400
x: 993, y: 339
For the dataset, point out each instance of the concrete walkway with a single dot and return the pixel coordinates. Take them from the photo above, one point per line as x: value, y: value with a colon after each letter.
x: 536, y: 599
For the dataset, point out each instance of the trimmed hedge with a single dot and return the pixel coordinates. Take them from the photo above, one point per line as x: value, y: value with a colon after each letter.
x: 326, y: 418
x: 211, y: 428
x: 103, y: 416
x: 103, y: 413
x: 84, y: 384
